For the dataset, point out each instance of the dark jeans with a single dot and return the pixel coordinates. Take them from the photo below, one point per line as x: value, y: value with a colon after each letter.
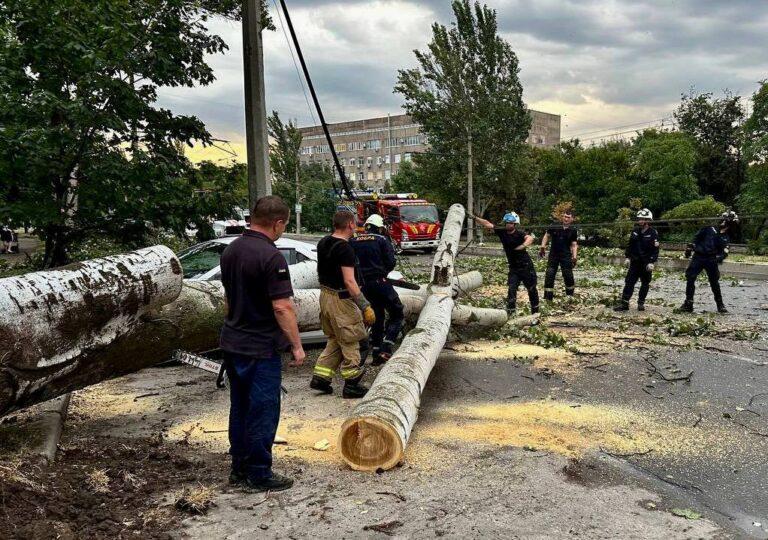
x: 254, y: 385
x: 637, y: 271
x: 527, y: 276
x: 697, y: 265
x: 389, y: 312
x: 566, y: 265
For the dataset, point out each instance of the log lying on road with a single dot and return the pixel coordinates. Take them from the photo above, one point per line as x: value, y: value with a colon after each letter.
x: 465, y: 316
x: 463, y: 283
x: 376, y: 433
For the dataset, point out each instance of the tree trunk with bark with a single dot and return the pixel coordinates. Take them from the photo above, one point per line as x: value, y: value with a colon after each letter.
x: 375, y: 435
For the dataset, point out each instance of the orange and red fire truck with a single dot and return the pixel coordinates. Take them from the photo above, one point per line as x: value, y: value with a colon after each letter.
x: 411, y: 223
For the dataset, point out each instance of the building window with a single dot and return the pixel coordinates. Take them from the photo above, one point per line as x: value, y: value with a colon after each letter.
x: 362, y: 177
x: 397, y: 158
x: 379, y: 176
x: 373, y: 144
x: 352, y: 176
x: 407, y: 157
x: 369, y: 161
x: 343, y: 162
x: 413, y: 140
x: 351, y: 162
x: 387, y: 159
x: 342, y: 147
x: 360, y: 162
x: 387, y: 174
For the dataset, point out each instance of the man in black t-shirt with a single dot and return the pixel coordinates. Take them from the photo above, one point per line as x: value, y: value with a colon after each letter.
x: 260, y: 323
x: 344, y: 310
x: 521, y: 267
x: 563, y: 253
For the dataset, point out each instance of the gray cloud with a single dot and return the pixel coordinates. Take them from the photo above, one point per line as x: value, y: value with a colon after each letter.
x: 632, y: 57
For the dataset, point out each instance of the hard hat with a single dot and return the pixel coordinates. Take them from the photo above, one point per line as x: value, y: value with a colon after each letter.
x: 511, y: 217
x: 729, y: 217
x: 645, y: 214
x: 376, y: 220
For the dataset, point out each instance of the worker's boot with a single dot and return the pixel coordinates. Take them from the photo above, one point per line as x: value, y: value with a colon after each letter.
x: 383, y: 355
x: 623, y: 305
x: 353, y: 389
x: 277, y: 482
x: 687, y: 307
x: 321, y: 385
x: 534, y: 309
x: 721, y: 307
x: 640, y: 307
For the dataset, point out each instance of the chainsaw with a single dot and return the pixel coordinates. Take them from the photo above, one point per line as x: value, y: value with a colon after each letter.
x: 211, y: 366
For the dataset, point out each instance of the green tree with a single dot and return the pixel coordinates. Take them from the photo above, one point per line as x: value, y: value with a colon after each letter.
x: 663, y: 167
x: 466, y: 92
x: 84, y: 146
x: 706, y: 207
x: 407, y: 179
x: 756, y: 127
x: 714, y: 123
x: 284, y: 157
x: 754, y: 196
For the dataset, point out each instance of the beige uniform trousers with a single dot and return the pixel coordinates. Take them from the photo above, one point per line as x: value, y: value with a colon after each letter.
x: 342, y: 322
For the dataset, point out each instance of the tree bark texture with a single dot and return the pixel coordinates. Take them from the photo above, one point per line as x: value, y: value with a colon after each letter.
x: 375, y: 435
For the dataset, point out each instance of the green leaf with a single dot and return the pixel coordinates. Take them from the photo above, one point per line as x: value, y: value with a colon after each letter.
x: 686, y: 513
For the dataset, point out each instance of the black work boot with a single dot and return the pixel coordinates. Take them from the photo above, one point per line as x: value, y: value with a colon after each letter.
x: 321, y: 385
x: 623, y: 305
x: 640, y: 307
x: 721, y: 308
x: 237, y: 476
x: 277, y: 482
x: 353, y: 389
x: 687, y: 307
x: 383, y: 355
x: 534, y: 309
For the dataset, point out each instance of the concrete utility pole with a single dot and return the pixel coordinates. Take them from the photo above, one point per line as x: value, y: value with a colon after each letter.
x: 470, y: 191
x: 257, y: 143
x: 298, y: 199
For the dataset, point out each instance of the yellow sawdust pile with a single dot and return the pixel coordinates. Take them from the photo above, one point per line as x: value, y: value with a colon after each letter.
x: 571, y: 430
x: 558, y: 360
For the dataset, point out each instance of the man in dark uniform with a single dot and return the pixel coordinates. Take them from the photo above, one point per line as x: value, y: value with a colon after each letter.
x: 521, y: 268
x: 563, y: 253
x: 710, y: 248
x: 260, y: 324
x: 642, y: 254
x: 344, y: 311
x: 376, y: 258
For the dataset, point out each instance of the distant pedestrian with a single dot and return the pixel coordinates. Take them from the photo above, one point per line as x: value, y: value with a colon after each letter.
x: 710, y: 247
x: 642, y: 253
x: 563, y: 253
x: 260, y: 323
x: 6, y: 237
x: 521, y: 270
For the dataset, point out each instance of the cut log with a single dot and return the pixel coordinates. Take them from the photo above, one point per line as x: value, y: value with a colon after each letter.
x: 48, y: 318
x: 375, y: 435
x: 465, y: 316
x: 463, y: 283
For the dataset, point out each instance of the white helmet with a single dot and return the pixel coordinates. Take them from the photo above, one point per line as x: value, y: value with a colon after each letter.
x: 376, y: 220
x: 729, y: 217
x: 645, y: 214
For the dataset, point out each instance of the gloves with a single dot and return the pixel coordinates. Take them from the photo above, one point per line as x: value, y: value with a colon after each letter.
x: 369, y: 317
x: 542, y: 252
x: 626, y: 262
x: 688, y: 250
x: 649, y: 267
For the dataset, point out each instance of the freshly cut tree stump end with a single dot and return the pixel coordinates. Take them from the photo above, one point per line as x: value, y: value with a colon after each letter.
x: 369, y: 444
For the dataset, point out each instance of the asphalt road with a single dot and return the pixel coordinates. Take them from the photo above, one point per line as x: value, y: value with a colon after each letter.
x: 727, y: 395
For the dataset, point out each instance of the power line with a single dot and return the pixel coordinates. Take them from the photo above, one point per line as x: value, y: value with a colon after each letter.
x: 295, y: 65
x: 620, y: 127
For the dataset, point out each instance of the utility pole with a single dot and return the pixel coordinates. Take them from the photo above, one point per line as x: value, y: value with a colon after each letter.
x: 298, y: 199
x: 257, y: 143
x: 470, y: 191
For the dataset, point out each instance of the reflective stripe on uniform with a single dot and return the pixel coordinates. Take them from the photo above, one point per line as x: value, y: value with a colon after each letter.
x: 351, y: 373
x: 324, y: 372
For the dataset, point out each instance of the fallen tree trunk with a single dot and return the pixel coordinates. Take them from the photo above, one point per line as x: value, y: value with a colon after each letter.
x: 48, y: 318
x: 304, y: 275
x: 375, y: 435
x: 465, y: 316
x: 463, y: 283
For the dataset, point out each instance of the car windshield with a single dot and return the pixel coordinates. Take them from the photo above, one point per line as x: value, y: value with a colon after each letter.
x: 422, y: 213
x: 201, y: 259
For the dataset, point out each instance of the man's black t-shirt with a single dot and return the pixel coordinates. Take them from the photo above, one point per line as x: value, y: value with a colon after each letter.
x: 253, y: 272
x: 560, y: 240
x: 332, y: 254
x: 510, y: 241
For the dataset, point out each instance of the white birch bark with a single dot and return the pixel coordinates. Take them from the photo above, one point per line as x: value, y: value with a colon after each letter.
x: 376, y: 433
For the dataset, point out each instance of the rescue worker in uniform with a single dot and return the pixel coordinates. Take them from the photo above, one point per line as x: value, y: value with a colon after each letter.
x: 521, y: 270
x: 563, y: 253
x: 376, y: 259
x: 710, y: 248
x: 642, y: 254
x: 260, y: 324
x: 344, y: 310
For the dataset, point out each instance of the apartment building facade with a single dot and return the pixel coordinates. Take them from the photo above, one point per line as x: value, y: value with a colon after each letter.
x: 371, y: 151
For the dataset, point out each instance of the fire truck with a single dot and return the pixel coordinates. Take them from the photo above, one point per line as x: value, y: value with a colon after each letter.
x: 411, y: 223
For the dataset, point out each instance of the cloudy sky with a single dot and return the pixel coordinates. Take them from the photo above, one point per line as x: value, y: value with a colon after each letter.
x: 601, y: 64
